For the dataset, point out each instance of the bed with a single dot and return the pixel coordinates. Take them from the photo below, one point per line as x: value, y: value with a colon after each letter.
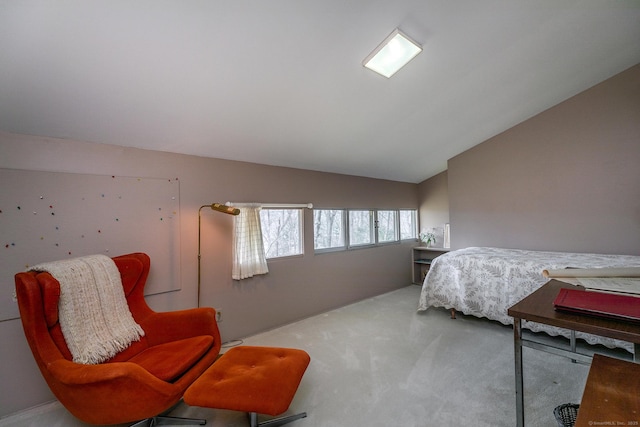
x: 485, y: 282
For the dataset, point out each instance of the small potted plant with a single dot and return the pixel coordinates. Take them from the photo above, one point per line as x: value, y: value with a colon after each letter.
x: 428, y: 237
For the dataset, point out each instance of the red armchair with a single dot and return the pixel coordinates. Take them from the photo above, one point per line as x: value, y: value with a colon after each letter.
x: 144, y: 380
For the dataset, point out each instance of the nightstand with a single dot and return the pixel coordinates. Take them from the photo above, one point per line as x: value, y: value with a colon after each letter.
x: 421, y: 258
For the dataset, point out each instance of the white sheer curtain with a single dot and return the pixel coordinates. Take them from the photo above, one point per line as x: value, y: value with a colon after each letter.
x: 248, y: 250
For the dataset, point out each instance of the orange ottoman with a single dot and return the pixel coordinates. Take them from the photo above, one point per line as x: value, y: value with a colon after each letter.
x: 257, y: 380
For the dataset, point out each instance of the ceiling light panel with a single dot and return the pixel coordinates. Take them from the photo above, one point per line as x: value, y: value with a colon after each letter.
x: 392, y: 54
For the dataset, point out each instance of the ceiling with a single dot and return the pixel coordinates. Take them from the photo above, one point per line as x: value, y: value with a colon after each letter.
x: 281, y: 82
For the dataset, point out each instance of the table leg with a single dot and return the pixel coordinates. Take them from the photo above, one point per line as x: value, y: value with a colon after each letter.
x: 517, y: 342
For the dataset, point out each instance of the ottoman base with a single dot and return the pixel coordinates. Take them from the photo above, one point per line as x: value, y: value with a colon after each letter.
x: 256, y: 380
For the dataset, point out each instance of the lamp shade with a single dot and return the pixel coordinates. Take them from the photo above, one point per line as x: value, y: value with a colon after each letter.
x: 225, y: 209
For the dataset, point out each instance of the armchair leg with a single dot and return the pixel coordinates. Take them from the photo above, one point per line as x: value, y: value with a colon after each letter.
x: 253, y: 419
x: 162, y: 420
x: 142, y: 423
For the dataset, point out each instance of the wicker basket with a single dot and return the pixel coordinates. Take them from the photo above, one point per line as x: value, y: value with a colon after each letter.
x: 566, y: 414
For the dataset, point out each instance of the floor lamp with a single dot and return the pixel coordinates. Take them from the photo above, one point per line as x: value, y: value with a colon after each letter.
x: 216, y: 207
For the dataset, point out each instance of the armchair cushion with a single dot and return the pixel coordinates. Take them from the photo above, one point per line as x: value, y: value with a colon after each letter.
x: 169, y: 361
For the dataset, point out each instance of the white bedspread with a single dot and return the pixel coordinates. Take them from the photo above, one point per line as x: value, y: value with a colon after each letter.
x: 485, y: 282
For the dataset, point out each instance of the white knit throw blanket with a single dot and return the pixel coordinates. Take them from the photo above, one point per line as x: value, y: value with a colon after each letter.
x: 93, y: 311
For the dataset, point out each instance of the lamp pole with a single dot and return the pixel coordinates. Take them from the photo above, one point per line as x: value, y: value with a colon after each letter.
x: 216, y: 207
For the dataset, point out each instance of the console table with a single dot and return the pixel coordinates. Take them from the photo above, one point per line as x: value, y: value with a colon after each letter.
x: 538, y: 307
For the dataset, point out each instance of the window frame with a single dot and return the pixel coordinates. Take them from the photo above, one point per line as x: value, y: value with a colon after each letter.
x: 374, y: 221
x: 300, y: 222
x: 343, y: 224
x: 396, y: 226
x: 372, y: 230
x: 414, y: 220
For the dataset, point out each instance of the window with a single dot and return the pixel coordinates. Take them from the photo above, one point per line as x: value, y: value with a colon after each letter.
x: 328, y: 229
x: 361, y: 228
x: 408, y: 224
x: 281, y: 232
x: 387, y: 226
x: 339, y: 229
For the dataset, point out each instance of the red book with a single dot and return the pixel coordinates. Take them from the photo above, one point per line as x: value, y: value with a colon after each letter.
x: 601, y: 304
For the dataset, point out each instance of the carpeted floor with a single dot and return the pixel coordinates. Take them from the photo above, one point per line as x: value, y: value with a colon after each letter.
x: 380, y: 363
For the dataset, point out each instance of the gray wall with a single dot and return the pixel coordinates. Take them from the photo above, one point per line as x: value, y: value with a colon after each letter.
x: 567, y: 179
x: 295, y: 288
x: 433, y: 195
